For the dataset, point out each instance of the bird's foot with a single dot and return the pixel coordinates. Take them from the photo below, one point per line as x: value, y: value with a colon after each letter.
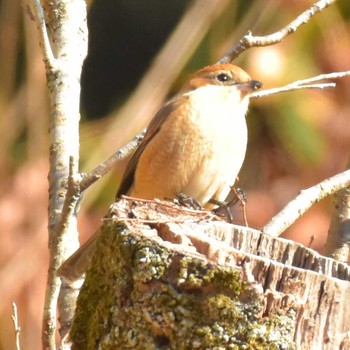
x: 188, y: 202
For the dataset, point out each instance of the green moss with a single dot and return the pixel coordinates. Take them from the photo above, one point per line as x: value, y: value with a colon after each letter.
x: 139, y: 295
x: 194, y: 273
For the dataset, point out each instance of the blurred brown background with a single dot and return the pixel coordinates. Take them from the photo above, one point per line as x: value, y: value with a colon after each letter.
x: 296, y: 139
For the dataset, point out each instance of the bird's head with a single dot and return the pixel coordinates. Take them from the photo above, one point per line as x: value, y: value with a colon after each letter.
x: 226, y: 75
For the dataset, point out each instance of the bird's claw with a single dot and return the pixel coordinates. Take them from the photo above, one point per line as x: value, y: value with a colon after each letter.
x: 188, y: 201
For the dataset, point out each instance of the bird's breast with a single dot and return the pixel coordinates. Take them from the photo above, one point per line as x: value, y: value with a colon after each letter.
x: 198, y: 150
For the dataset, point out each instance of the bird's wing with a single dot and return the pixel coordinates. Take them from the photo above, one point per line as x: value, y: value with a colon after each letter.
x: 161, y: 116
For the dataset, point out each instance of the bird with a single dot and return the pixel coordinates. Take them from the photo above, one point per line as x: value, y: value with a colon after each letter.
x: 195, y: 145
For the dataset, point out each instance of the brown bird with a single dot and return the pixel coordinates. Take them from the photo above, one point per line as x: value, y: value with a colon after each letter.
x: 195, y: 145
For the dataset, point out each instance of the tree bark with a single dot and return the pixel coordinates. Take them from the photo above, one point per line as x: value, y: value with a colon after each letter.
x: 62, y: 29
x: 174, y: 278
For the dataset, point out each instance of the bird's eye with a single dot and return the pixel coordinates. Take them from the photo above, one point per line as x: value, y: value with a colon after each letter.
x: 223, y: 77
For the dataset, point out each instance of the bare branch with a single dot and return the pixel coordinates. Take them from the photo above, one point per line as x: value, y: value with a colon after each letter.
x: 309, y: 83
x: 108, y: 164
x: 48, y: 55
x: 327, y: 76
x: 248, y: 40
x: 291, y: 87
x: 306, y: 198
x: 16, y: 325
x: 72, y: 197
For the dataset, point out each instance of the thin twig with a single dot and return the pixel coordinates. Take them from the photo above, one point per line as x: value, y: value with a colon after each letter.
x: 16, y: 325
x: 29, y: 12
x: 312, y: 240
x: 47, y: 52
x: 103, y: 168
x: 301, y: 203
x: 327, y: 76
x: 291, y: 87
x: 72, y: 196
x: 149, y: 221
x: 169, y: 204
x: 304, y: 84
x: 248, y: 40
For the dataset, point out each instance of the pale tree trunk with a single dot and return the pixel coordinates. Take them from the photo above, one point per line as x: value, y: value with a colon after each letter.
x: 63, y: 38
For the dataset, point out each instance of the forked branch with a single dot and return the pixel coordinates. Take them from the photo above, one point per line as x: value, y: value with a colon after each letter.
x: 249, y: 40
x: 304, y: 201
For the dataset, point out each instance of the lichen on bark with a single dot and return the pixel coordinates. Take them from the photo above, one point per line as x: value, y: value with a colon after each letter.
x: 143, y: 293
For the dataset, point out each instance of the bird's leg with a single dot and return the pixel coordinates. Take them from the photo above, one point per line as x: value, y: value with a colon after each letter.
x: 222, y: 206
x: 188, y: 201
x: 240, y: 196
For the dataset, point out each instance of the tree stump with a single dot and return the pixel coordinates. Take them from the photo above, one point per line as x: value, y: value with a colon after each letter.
x: 167, y: 277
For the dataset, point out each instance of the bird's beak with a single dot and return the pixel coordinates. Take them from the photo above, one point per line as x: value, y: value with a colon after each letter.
x: 250, y: 86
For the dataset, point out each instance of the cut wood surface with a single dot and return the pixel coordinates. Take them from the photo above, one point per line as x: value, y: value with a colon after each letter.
x: 168, y: 277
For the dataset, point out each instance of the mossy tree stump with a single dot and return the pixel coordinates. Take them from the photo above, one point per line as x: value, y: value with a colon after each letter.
x: 165, y: 277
